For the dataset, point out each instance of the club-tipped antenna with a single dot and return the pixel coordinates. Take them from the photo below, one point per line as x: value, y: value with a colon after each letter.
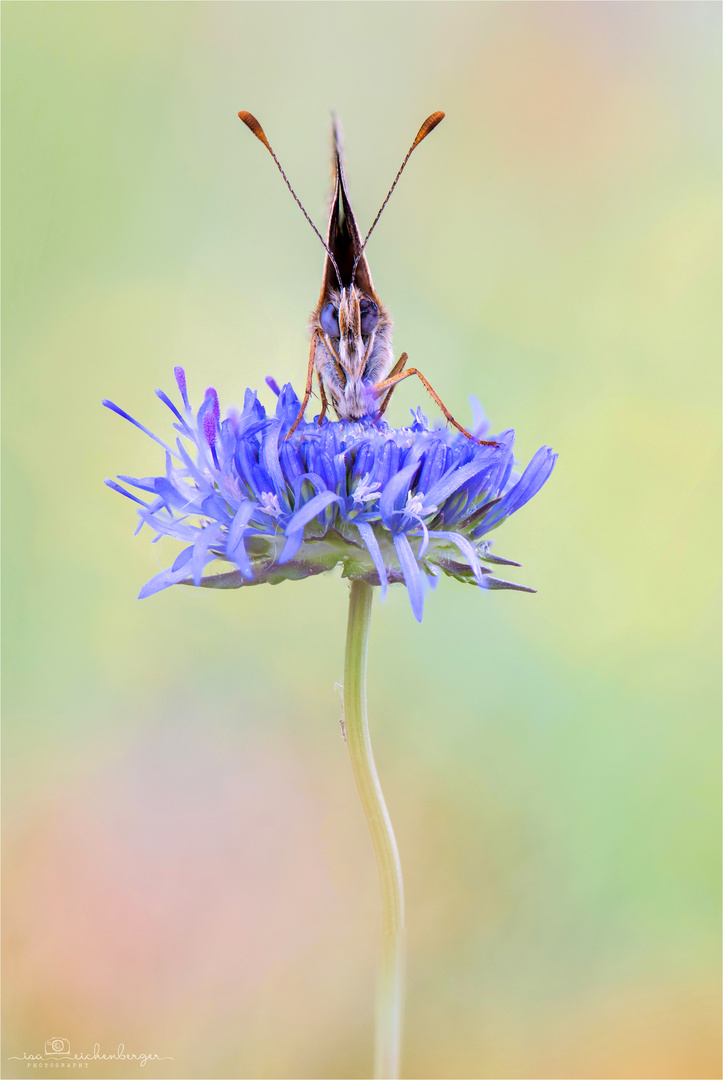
x: 429, y: 125
x: 254, y: 126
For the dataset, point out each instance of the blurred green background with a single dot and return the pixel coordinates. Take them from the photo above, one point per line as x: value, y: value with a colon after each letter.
x: 186, y: 868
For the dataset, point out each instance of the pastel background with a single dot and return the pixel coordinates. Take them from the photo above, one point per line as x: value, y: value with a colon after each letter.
x: 186, y: 868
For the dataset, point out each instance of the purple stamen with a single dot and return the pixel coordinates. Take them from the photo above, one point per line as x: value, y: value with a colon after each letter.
x: 181, y: 381
x: 273, y: 385
x: 209, y: 431
x: 211, y: 393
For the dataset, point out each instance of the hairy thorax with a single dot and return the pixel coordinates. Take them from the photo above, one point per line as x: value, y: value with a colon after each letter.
x: 353, y: 349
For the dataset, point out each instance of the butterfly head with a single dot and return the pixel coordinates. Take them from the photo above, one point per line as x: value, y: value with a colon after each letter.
x: 349, y: 319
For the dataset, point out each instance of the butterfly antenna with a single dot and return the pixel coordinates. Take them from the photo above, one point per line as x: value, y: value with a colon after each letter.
x: 254, y: 126
x: 429, y: 125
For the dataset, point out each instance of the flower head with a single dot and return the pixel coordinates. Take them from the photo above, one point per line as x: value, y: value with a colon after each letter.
x: 389, y: 504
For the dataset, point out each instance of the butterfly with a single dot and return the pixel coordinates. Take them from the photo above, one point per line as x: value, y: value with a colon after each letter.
x: 351, y: 329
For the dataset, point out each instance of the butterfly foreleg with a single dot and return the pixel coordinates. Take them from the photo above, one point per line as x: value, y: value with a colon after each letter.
x: 399, y: 366
x: 307, y: 390
x: 396, y: 377
x: 324, y: 400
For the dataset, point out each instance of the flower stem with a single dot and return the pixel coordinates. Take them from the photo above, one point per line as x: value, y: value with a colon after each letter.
x: 391, y: 967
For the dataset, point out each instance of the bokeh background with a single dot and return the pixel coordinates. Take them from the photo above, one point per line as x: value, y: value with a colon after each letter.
x: 186, y: 868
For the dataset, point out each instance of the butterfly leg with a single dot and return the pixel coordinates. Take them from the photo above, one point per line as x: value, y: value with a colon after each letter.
x: 307, y: 390
x: 394, y: 379
x: 324, y: 401
x: 399, y: 366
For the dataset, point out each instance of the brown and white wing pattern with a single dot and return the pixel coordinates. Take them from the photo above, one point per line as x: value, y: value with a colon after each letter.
x: 349, y: 361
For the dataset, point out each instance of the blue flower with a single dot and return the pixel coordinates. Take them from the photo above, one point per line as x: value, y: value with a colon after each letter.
x: 389, y: 504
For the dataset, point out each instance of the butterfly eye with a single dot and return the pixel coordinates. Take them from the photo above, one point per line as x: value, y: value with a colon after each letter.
x: 369, y: 315
x: 329, y: 319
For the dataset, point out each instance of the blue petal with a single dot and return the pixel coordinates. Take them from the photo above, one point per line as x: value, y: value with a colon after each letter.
x: 245, y: 464
x: 364, y: 461
x: 126, y: 416
x: 393, y: 495
x: 169, y: 528
x: 270, y: 458
x: 425, y: 539
x: 433, y: 466
x: 182, y: 558
x: 291, y: 546
x: 313, y: 478
x: 206, y: 406
x: 253, y: 430
x: 214, y: 506
x: 328, y: 439
x: 412, y: 574
x: 235, y: 547
x: 205, y: 540
x: 309, y: 511
x: 454, y: 480
x: 467, y: 550
x: 291, y: 464
x: 321, y: 462
x: 163, y: 581
x: 167, y: 401
x: 262, y: 482
x: 387, y: 464
x: 372, y: 544
x: 121, y: 491
x: 505, y: 474
x: 145, y: 483
x: 528, y: 485
x: 340, y: 464
x: 172, y: 497
x: 480, y: 424
x: 192, y: 468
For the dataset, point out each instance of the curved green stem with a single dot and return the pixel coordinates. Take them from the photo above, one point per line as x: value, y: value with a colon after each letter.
x: 391, y: 968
